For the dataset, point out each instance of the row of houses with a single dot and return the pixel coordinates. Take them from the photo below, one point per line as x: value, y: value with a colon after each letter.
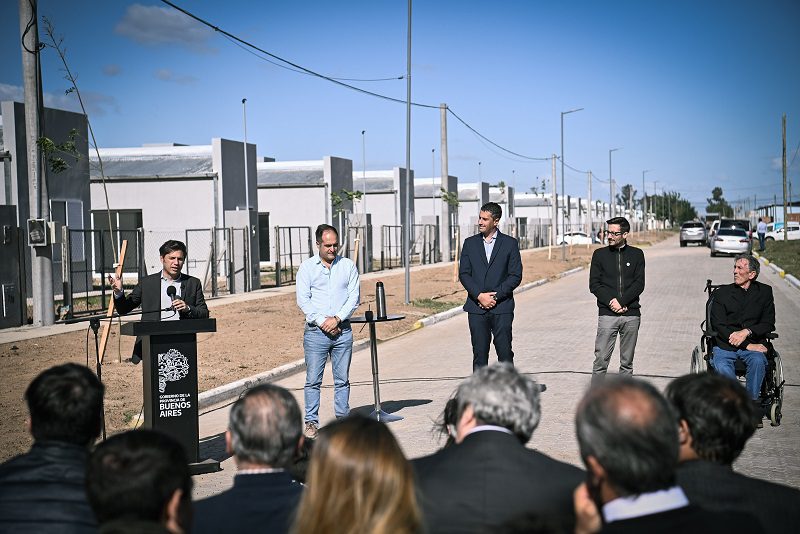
x: 175, y: 190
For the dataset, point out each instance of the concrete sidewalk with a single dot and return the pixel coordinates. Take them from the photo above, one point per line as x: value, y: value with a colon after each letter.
x: 554, y: 331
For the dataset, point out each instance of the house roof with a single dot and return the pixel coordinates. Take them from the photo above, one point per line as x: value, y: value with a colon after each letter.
x: 152, y: 162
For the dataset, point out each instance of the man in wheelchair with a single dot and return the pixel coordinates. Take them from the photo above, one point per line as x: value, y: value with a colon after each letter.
x: 742, y: 314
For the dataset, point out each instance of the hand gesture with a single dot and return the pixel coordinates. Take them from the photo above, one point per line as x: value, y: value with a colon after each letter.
x: 486, y: 300
x: 115, y: 283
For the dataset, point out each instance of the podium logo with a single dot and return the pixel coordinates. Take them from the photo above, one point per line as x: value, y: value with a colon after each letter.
x: 172, y: 366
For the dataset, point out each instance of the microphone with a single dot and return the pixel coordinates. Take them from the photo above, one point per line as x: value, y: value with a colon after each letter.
x: 171, y: 293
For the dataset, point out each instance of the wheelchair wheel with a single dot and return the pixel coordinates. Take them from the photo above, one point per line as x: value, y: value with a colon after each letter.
x: 775, y: 414
x: 698, y: 363
x: 777, y: 393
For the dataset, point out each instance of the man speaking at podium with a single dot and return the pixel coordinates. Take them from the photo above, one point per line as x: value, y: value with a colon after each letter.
x: 165, y: 296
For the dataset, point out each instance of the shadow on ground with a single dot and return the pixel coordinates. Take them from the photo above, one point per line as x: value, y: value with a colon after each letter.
x: 390, y: 406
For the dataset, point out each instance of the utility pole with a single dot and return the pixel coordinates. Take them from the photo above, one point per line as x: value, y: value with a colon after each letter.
x: 444, y: 228
x: 655, y: 203
x: 644, y: 200
x: 611, y: 185
x: 38, y: 198
x: 785, y: 221
x: 409, y: 181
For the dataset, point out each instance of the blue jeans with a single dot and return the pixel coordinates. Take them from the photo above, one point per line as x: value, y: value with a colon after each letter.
x: 756, y: 363
x: 317, y: 345
x: 761, y: 241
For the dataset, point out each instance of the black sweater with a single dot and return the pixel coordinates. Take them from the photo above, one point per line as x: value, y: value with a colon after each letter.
x: 734, y: 308
x: 617, y: 274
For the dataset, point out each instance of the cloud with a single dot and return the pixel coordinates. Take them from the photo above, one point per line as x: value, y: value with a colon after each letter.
x: 154, y: 26
x: 97, y: 104
x: 166, y: 75
x: 112, y: 70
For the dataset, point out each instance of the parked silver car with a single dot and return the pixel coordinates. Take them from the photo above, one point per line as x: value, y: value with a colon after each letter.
x: 693, y: 232
x: 731, y: 241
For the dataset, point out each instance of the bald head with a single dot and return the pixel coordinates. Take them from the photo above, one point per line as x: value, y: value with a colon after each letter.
x: 628, y: 428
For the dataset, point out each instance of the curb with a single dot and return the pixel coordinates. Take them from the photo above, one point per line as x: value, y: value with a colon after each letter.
x: 226, y: 392
x: 791, y: 279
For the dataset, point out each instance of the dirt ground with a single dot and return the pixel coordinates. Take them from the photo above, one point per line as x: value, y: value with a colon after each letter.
x: 251, y: 337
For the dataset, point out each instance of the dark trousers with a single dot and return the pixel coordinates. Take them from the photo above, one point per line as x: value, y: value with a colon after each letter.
x: 482, y: 327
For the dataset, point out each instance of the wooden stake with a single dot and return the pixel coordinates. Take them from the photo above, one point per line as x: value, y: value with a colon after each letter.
x: 110, y: 311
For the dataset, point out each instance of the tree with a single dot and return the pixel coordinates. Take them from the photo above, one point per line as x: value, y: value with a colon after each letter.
x: 626, y: 194
x: 718, y: 204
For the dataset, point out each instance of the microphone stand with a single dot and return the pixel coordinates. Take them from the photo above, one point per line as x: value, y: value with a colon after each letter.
x: 94, y: 324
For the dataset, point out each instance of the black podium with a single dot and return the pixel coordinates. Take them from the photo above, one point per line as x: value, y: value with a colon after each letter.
x: 169, y: 362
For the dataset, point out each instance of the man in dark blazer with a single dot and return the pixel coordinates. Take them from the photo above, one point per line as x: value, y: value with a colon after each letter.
x: 488, y: 478
x: 490, y: 269
x: 628, y: 440
x: 264, y: 434
x: 158, y: 302
x: 716, y: 420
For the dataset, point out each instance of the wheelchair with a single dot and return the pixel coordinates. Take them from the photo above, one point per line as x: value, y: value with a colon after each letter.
x: 771, y: 388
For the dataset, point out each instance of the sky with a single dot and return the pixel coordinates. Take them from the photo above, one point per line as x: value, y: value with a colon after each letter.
x: 690, y: 91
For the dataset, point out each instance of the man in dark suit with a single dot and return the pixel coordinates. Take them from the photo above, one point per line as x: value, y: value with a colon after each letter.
x: 490, y: 269
x: 716, y: 420
x: 629, y: 442
x: 264, y: 434
x: 488, y: 478
x: 153, y: 293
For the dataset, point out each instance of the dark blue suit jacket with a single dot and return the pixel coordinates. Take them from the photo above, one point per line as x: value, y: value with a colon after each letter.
x: 502, y: 273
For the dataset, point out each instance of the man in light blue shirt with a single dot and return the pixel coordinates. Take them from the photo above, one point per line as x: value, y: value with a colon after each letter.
x: 328, y: 292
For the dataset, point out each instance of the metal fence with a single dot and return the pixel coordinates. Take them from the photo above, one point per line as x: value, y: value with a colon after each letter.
x: 426, y: 243
x: 292, y: 245
x: 391, y: 246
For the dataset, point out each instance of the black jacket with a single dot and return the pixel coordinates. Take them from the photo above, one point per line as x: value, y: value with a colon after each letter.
x: 733, y: 308
x: 617, y: 274
x: 717, y: 487
x: 256, y: 503
x: 503, y: 273
x: 489, y: 479
x: 147, y: 294
x: 43, y: 491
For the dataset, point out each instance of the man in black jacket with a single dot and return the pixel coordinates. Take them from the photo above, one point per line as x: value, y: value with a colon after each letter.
x: 488, y: 478
x: 42, y: 490
x: 715, y: 418
x: 159, y: 302
x: 616, y: 278
x: 265, y: 431
x: 490, y: 269
x: 742, y: 314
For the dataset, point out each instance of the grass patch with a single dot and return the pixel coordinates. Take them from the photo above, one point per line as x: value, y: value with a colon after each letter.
x: 436, y: 306
x: 785, y: 254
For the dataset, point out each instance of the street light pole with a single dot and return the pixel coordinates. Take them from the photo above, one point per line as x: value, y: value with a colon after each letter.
x: 246, y: 178
x: 655, y: 203
x: 433, y: 184
x: 480, y: 177
x: 644, y: 202
x: 611, y: 203
x: 364, y: 171
x: 563, y: 218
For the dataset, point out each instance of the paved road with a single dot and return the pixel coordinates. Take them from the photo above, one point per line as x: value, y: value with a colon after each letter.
x: 554, y: 338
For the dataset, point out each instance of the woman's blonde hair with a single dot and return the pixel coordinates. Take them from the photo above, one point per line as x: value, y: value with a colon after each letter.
x: 358, y: 482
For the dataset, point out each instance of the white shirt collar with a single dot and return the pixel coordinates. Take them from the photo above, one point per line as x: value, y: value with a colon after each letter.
x: 484, y: 428
x: 644, y: 504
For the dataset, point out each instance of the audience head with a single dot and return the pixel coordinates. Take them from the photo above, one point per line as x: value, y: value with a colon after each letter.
x: 358, y: 481
x: 628, y: 438
x: 141, y: 475
x: 715, y: 414
x: 447, y: 422
x: 498, y: 395
x: 66, y: 404
x: 264, y: 427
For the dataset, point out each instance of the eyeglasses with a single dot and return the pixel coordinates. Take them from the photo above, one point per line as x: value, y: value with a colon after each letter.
x: 617, y: 234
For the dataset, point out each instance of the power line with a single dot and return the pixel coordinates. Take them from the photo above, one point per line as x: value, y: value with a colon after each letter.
x: 338, y: 81
x: 295, y: 65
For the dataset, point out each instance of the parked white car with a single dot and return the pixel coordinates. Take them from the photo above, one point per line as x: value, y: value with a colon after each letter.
x: 775, y: 231
x: 731, y: 241
x: 575, y: 238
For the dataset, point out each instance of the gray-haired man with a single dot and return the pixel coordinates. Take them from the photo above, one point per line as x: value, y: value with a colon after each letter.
x: 264, y: 433
x: 488, y: 477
